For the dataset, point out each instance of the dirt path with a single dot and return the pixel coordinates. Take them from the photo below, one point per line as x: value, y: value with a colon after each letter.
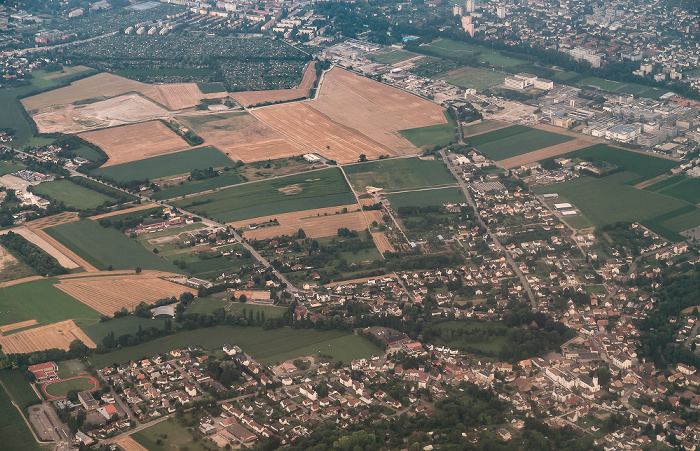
x: 657, y: 179
x: 145, y: 206
x: 65, y: 251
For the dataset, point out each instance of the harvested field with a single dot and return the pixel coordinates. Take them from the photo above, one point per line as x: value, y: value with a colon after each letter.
x: 120, y: 110
x: 129, y: 444
x: 135, y: 142
x: 10, y: 283
x: 50, y: 221
x: 314, y: 222
x: 547, y: 152
x: 382, y: 242
x: 100, y: 86
x: 57, y: 335
x: 321, y: 134
x: 250, y: 98
x: 375, y: 215
x: 483, y: 127
x: 36, y: 237
x: 19, y: 325
x: 145, y: 206
x: 177, y: 96
x: 112, y: 293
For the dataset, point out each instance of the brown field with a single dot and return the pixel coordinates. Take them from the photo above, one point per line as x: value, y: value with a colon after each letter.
x: 484, y: 127
x: 111, y: 293
x: 382, y: 242
x: 374, y: 215
x: 250, y: 98
x: 129, y: 444
x: 57, y: 335
x: 314, y: 222
x: 136, y: 141
x: 19, y: 325
x: 176, y: 96
x: 54, y: 220
x: 547, y: 152
x: 145, y: 206
x: 320, y: 133
x: 67, y: 253
x: 9, y: 283
x: 36, y: 236
x: 100, y: 86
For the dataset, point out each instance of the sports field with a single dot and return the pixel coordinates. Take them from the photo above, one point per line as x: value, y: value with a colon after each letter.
x: 166, y: 165
x: 265, y: 346
x: 474, y: 78
x: 515, y: 140
x: 72, y: 194
x: 447, y: 48
x: 426, y: 198
x: 432, y: 135
x: 14, y: 431
x: 42, y: 301
x: 392, y: 57
x: 105, y: 247
x: 197, y: 186
x: 316, y: 189
x: 60, y: 388
x: 398, y: 174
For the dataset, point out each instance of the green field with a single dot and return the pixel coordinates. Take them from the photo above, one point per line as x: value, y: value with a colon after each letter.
x: 646, y: 166
x: 87, y: 152
x: 680, y: 187
x: 432, y: 135
x: 166, y: 165
x: 104, y: 247
x: 8, y: 168
x: 392, y: 57
x: 317, y: 189
x: 61, y: 388
x: 623, y: 87
x: 14, y: 432
x: 120, y: 326
x: 447, y: 48
x: 515, y: 140
x: 42, y: 301
x: 20, y: 389
x: 210, y: 88
x: 165, y: 436
x: 478, y: 79
x: 426, y: 198
x: 71, y: 194
x: 208, y: 305
x: 266, y: 346
x: 399, y: 174
x: 197, y: 186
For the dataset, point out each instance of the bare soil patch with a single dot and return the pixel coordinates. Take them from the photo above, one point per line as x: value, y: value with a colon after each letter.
x: 57, y: 335
x: 136, y: 141
x: 54, y: 220
x: 19, y: 325
x: 129, y: 444
x: 250, y: 98
x: 177, y: 96
x: 547, y: 152
x: 382, y: 242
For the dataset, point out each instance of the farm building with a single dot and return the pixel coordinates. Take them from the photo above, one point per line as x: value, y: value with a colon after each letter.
x: 164, y: 311
x: 563, y: 206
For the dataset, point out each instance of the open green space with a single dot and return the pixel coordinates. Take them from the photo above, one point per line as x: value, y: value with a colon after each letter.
x: 19, y: 388
x: 166, y: 165
x: 106, y: 247
x: 317, y: 189
x: 392, y: 57
x: 210, y: 88
x: 475, y: 78
x: 680, y: 187
x: 71, y: 194
x: 447, y: 48
x: 197, y: 186
x: 165, y: 436
x: 14, y: 432
x: 87, y: 152
x: 399, y: 174
x: 266, y: 346
x: 130, y: 324
x: 435, y: 135
x: 623, y: 87
x: 515, y: 140
x: 42, y: 301
x: 8, y: 168
x: 208, y: 305
x: 426, y: 198
x: 61, y: 388
x: 485, y: 338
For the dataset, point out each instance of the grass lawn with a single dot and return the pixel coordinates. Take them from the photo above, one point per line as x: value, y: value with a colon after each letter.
x: 166, y: 165
x: 624, y: 87
x: 370, y: 254
x: 449, y: 49
x: 196, y: 186
x: 125, y: 325
x: 475, y: 78
x: 270, y: 311
x: 317, y: 189
x: 14, y: 432
x: 71, y: 194
x: 208, y: 305
x: 61, y: 388
x: 212, y: 267
x: 42, y: 301
x: 392, y: 57
x: 87, y: 152
x: 104, y: 247
x: 477, y: 337
x: 210, y: 88
x: 266, y: 346
x: 515, y: 140
x: 483, y: 127
x: 426, y: 198
x: 8, y: 168
x: 19, y: 388
x: 399, y: 174
x: 435, y: 135
x: 172, y: 436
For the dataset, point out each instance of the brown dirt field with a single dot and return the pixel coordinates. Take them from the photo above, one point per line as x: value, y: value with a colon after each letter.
x: 57, y: 335
x: 176, y: 96
x: 319, y: 133
x: 314, y: 222
x: 382, y: 242
x: 250, y: 98
x: 363, y: 280
x: 417, y: 111
x: 35, y: 236
x: 129, y: 444
x: 101, y: 86
x: 19, y: 325
x: 64, y: 250
x: 50, y: 221
x: 124, y: 211
x: 547, y: 152
x: 9, y: 283
x: 111, y: 293
x: 690, y: 309
x: 374, y: 215
x: 484, y: 127
x: 136, y: 141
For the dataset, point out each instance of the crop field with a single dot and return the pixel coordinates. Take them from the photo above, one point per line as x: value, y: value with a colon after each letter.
x: 316, y: 223
x: 680, y: 187
x: 251, y: 98
x: 22, y: 392
x: 41, y: 301
x: 392, y: 57
x: 64, y: 256
x: 474, y: 78
x: 209, y: 268
x: 120, y: 326
x: 211, y: 88
x: 515, y: 140
x: 106, y: 247
x: 426, y: 198
x: 316, y: 189
x: 546, y: 152
x: 14, y: 431
x: 165, y: 165
x: 12, y: 116
x: 447, y: 48
x: 208, y: 305
x: 265, y: 346
x: 646, y: 166
x: 382, y: 242
x: 138, y: 210
x: 197, y: 186
x: 135, y: 142
x: 177, y: 96
x: 72, y: 194
x: 398, y: 174
x: 112, y: 293
x: 435, y: 135
x: 58, y: 335
x: 483, y: 127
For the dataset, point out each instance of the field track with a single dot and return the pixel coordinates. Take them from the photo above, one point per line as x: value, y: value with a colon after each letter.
x: 19, y: 325
x: 125, y: 211
x: 10, y: 283
x: 57, y: 335
x: 50, y: 221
